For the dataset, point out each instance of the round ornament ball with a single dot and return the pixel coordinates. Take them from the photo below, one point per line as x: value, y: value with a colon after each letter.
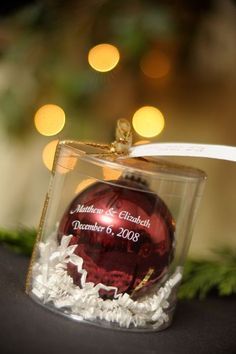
x: 124, y: 233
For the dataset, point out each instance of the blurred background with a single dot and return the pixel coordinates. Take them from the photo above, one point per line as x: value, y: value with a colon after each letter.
x: 85, y: 64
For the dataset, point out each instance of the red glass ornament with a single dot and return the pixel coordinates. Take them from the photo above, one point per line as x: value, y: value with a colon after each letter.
x: 124, y: 235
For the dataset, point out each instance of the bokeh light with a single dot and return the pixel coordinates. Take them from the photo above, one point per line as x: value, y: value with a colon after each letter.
x: 155, y: 64
x: 142, y: 142
x: 84, y: 184
x: 103, y: 57
x: 148, y: 121
x: 109, y: 174
x: 66, y: 163
x: 49, y: 119
x: 49, y: 153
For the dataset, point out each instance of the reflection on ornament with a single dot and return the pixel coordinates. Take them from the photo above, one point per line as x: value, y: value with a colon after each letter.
x: 124, y: 234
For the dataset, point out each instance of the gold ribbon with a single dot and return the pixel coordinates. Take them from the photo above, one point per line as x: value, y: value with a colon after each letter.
x: 123, y: 140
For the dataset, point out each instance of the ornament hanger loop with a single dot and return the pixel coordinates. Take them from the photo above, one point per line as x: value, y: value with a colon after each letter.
x: 123, y: 140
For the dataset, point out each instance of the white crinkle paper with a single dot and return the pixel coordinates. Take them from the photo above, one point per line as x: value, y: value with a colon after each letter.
x: 51, y: 283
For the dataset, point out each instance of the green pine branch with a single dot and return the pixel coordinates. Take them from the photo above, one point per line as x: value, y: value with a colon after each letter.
x: 20, y: 240
x: 200, y: 276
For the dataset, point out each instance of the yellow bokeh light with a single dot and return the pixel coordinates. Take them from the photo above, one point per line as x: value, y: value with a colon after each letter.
x: 142, y: 142
x: 155, y: 64
x: 103, y: 57
x: 84, y: 184
x: 66, y: 164
x: 49, y: 119
x: 49, y: 153
x: 110, y: 174
x: 148, y: 121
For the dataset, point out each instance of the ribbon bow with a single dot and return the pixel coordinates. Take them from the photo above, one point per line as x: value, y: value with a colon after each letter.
x: 123, y: 142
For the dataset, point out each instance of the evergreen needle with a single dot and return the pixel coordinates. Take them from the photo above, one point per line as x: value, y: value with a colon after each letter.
x: 20, y: 240
x: 201, y: 277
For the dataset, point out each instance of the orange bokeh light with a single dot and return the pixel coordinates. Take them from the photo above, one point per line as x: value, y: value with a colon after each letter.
x: 155, y: 64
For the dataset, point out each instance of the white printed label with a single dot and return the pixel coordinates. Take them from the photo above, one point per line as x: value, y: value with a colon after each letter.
x: 222, y: 152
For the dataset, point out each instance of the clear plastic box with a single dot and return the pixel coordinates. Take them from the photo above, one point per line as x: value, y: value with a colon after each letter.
x: 113, y: 237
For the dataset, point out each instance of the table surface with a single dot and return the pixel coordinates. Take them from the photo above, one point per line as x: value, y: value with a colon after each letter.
x: 207, y: 326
